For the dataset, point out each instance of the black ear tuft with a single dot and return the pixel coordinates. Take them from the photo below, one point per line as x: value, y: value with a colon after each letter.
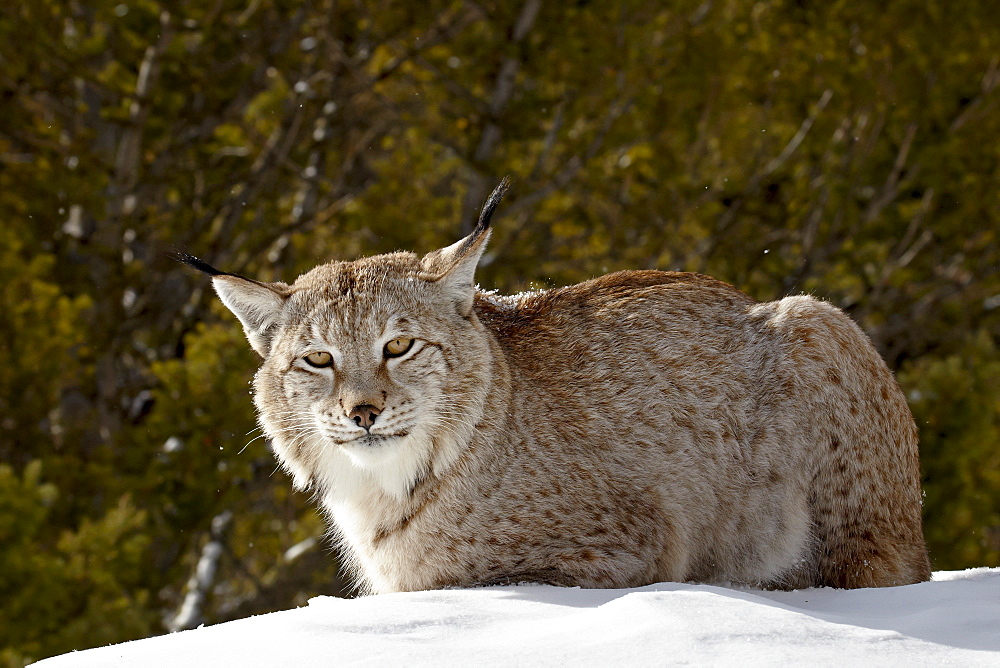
x: 197, y: 263
x: 491, y: 204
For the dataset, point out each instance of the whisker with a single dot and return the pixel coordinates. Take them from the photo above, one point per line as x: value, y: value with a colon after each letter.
x: 249, y: 442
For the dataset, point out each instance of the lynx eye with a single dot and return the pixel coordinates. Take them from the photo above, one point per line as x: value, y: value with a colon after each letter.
x: 319, y: 360
x: 398, y: 347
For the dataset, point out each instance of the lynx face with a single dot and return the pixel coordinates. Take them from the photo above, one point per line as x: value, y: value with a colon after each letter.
x: 375, y: 371
x: 369, y: 375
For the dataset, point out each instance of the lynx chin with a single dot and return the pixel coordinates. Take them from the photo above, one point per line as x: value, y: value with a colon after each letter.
x: 639, y: 427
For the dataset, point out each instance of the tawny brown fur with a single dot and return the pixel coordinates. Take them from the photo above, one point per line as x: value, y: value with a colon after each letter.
x: 639, y: 427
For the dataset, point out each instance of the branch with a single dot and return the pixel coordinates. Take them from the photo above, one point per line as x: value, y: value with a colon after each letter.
x: 906, y: 250
x: 129, y: 151
x: 442, y: 30
x: 722, y: 225
x: 891, y: 188
x: 796, y: 140
x: 306, y: 568
x: 189, y: 614
x: 490, y: 136
x: 991, y: 79
x: 562, y: 178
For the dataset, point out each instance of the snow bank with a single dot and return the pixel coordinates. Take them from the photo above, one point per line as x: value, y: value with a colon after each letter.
x: 955, y: 619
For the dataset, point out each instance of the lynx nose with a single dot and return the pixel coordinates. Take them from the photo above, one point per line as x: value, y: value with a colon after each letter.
x: 364, y: 415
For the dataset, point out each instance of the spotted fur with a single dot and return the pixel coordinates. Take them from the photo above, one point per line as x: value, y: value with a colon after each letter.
x: 639, y: 427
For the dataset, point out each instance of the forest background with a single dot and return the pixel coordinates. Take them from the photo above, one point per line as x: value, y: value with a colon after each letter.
x: 850, y: 150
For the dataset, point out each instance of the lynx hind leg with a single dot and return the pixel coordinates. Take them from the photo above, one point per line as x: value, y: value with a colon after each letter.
x: 865, y: 495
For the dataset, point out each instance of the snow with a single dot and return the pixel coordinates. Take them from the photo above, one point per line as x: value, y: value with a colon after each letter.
x: 952, y: 620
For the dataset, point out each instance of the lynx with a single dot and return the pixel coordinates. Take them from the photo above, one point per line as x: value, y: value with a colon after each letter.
x: 639, y: 427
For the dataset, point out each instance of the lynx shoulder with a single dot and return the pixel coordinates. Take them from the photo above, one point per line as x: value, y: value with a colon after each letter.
x: 639, y: 427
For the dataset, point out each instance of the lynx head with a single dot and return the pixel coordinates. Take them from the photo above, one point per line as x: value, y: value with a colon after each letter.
x: 375, y: 371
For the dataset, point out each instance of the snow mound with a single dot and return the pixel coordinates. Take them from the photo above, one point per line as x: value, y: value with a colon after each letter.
x: 954, y: 619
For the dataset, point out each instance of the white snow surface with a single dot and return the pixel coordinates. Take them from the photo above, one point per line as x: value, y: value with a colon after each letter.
x: 952, y: 620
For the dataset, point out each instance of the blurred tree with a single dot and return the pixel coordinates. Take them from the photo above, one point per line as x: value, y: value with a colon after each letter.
x: 89, y: 586
x: 956, y: 402
x: 838, y: 148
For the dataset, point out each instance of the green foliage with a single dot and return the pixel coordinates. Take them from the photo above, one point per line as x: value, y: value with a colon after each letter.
x: 80, y: 588
x: 843, y: 149
x: 956, y: 402
x: 38, y: 339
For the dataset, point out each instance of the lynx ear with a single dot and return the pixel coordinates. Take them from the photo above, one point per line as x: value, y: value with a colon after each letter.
x: 257, y: 305
x: 454, y: 267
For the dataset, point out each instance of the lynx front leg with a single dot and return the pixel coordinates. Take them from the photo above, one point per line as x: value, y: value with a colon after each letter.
x: 547, y: 576
x: 595, y: 567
